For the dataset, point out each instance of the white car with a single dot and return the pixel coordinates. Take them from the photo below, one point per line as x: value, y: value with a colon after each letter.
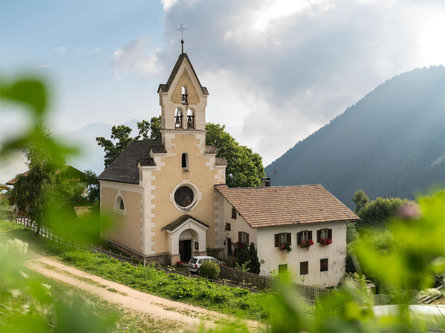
x: 196, y: 262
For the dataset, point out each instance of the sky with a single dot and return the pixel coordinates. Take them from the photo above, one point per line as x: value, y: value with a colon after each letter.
x: 276, y: 71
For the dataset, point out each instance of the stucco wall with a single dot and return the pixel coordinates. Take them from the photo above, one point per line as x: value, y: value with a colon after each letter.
x: 185, y: 80
x: 335, y: 252
x: 236, y: 225
x: 169, y: 174
x: 126, y: 228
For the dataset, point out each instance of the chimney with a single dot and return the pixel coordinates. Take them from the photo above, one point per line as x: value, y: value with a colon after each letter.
x: 265, y: 182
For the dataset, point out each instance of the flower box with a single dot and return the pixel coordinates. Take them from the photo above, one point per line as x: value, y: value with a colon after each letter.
x: 326, y: 241
x: 306, y: 243
x: 285, y: 247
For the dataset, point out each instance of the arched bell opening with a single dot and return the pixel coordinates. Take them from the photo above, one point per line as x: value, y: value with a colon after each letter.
x: 190, y: 119
x: 184, y: 95
x: 178, y: 118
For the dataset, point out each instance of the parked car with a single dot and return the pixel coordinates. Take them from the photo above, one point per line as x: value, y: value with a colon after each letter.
x: 196, y: 262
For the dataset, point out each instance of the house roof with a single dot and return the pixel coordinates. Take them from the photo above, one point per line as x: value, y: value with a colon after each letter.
x: 180, y: 220
x: 67, y: 171
x: 182, y: 57
x: 286, y: 205
x: 16, y: 178
x: 124, y: 168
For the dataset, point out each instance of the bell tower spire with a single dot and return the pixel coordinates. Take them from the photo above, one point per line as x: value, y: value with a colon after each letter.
x: 183, y: 101
x: 181, y: 29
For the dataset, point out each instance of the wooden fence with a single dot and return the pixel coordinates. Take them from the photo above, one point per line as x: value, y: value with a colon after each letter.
x: 246, y: 279
x: 309, y: 293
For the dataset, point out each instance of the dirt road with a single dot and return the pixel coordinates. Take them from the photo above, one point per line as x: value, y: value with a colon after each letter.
x: 187, y: 316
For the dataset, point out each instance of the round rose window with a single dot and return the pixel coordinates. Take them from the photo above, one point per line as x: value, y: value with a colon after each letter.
x: 184, y: 196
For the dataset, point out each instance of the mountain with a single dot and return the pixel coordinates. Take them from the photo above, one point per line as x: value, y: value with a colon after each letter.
x: 391, y: 143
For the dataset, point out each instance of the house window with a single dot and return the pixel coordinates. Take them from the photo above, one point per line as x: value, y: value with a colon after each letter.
x: 304, y: 267
x: 184, y: 95
x: 233, y: 213
x: 324, y: 265
x: 178, y: 118
x: 283, y: 238
x: 324, y: 236
x: 185, y: 160
x: 282, y: 268
x: 228, y: 227
x: 119, y: 205
x: 243, y: 237
x: 304, y: 236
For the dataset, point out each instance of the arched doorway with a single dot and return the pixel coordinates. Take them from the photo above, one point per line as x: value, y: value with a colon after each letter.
x: 187, y: 240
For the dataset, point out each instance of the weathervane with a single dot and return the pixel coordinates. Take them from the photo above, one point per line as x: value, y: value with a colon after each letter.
x: 182, y: 29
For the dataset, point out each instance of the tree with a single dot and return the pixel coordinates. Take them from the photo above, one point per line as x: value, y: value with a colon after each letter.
x: 149, y: 129
x: 121, y: 135
x: 254, y: 264
x: 376, y: 213
x: 360, y: 199
x: 245, y: 168
x: 92, y: 186
x: 242, y: 253
x: 30, y: 192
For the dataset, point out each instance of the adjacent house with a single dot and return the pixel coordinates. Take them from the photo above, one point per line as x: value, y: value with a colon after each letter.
x: 297, y: 228
x: 171, y: 203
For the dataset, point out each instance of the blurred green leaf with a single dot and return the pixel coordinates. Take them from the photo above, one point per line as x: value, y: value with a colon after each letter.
x: 29, y: 91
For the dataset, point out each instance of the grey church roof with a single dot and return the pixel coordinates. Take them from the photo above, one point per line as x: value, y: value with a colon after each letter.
x: 165, y: 87
x: 124, y: 168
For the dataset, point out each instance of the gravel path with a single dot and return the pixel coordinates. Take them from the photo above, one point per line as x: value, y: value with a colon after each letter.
x: 188, y: 316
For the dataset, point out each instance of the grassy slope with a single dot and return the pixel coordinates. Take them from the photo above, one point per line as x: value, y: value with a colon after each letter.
x: 196, y: 291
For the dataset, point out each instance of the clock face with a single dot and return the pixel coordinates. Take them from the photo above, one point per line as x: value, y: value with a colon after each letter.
x: 184, y: 196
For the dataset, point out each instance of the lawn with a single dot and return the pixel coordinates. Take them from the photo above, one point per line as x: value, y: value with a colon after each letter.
x: 196, y: 291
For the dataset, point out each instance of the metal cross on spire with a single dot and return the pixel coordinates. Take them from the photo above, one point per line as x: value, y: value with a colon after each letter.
x: 181, y: 29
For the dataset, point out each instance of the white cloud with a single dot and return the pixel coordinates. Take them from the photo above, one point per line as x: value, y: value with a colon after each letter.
x: 60, y: 49
x: 278, y: 70
x: 135, y: 58
x: 168, y: 4
x: 11, y: 166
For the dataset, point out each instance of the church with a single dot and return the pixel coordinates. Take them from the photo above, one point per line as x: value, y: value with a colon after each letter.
x: 170, y: 200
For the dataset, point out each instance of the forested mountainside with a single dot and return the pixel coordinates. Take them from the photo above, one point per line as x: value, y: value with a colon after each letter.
x: 391, y: 143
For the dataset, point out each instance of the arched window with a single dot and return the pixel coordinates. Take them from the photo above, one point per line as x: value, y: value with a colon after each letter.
x: 178, y: 118
x: 190, y: 119
x: 119, y: 205
x: 184, y: 95
x: 185, y: 160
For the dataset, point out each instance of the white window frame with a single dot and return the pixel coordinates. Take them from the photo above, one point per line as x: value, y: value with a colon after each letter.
x: 117, y: 203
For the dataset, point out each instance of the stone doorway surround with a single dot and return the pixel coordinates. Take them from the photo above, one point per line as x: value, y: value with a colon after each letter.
x: 186, y: 227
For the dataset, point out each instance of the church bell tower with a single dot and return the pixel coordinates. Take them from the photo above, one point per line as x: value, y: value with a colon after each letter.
x: 183, y: 101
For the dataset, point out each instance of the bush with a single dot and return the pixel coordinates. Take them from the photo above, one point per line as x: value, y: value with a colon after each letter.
x: 209, y: 270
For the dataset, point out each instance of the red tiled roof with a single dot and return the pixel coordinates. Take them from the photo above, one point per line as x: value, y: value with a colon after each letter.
x: 286, y: 205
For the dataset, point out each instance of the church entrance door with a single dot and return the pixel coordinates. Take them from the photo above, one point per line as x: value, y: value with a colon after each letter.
x: 185, y: 250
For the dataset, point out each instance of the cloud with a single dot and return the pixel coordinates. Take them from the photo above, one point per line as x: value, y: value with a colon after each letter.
x: 135, y: 58
x: 282, y: 69
x: 168, y: 4
x: 60, y: 49
x: 86, y: 50
x: 42, y: 66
